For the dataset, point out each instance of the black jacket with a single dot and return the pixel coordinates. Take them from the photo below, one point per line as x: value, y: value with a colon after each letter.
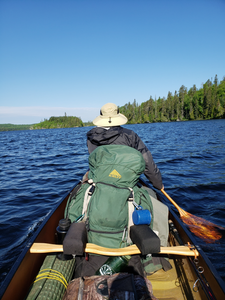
x: 117, y: 135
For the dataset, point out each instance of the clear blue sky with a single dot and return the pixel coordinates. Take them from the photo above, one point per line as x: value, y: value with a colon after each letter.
x: 74, y: 56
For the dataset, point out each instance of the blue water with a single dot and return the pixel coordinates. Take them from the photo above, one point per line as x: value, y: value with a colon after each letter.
x: 38, y: 167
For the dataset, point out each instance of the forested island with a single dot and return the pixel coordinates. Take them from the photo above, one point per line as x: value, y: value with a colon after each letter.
x: 59, y: 122
x: 205, y: 103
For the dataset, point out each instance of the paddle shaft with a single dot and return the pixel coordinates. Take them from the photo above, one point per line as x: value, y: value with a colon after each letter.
x: 181, y: 211
x: 95, y: 249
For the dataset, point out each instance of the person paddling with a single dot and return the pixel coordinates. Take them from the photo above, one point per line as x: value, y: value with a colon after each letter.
x: 110, y: 132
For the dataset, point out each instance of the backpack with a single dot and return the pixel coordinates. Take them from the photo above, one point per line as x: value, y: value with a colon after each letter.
x: 106, y: 202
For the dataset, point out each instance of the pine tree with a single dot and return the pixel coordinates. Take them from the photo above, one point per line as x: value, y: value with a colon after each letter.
x: 156, y: 110
x: 182, y: 93
x: 205, y: 101
x: 170, y: 106
x: 176, y: 107
x: 214, y: 97
x: 151, y: 110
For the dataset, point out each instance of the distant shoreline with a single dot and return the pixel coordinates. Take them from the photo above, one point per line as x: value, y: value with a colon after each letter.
x: 13, y: 127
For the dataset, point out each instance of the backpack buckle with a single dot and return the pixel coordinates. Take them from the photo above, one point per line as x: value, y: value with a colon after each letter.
x: 91, y: 191
x: 131, y: 197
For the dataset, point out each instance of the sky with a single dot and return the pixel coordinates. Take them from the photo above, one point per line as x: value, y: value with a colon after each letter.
x: 73, y: 56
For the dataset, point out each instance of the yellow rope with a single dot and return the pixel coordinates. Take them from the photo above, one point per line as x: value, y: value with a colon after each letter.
x: 52, y: 274
x: 51, y: 270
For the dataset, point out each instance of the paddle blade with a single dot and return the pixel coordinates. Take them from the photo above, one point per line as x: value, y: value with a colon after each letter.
x: 202, y: 228
x: 205, y: 230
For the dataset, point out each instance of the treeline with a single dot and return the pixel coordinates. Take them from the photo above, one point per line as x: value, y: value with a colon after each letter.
x: 193, y: 104
x: 59, y: 122
x: 12, y: 127
x: 89, y: 123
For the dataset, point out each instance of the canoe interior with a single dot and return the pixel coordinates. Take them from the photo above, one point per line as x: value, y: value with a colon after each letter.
x: 176, y: 283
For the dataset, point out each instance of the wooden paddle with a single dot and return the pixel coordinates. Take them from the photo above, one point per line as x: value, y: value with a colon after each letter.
x: 200, y: 227
x: 181, y: 211
x: 95, y: 249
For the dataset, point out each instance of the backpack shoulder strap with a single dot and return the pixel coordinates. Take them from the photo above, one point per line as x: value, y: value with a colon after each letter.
x: 130, y: 212
x: 87, y: 196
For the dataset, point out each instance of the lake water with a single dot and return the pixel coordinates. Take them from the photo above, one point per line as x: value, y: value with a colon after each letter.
x: 38, y: 167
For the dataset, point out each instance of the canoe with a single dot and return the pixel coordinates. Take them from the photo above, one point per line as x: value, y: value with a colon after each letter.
x: 190, y: 277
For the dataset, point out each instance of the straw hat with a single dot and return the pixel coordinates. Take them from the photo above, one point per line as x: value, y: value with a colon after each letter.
x: 110, y: 116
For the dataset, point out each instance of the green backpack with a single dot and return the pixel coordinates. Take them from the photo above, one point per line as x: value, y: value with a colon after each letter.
x: 106, y: 202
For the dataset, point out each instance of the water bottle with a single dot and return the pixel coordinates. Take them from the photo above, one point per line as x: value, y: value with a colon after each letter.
x: 114, y: 264
x: 64, y: 225
x: 61, y: 230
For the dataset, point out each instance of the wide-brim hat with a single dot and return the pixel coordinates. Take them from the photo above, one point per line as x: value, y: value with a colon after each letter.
x: 110, y: 116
